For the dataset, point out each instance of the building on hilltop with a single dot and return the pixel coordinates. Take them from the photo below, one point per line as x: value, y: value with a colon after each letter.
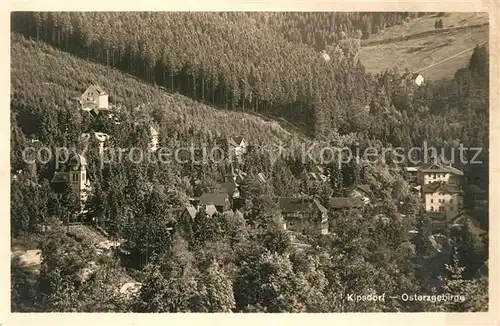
x: 94, y: 98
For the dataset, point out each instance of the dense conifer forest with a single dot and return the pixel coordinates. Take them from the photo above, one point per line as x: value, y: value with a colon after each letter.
x: 198, y: 78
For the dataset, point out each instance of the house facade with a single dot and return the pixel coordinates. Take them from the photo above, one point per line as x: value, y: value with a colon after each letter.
x: 436, y: 172
x: 94, y: 97
x: 442, y: 197
x: 304, y: 215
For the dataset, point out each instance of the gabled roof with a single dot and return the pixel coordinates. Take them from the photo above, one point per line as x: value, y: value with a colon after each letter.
x: 473, y: 224
x: 440, y: 187
x: 213, y: 198
x: 345, y: 202
x: 60, y: 177
x: 99, y: 89
x: 209, y: 209
x: 436, y: 167
x: 436, y: 215
x: 153, y: 131
x: 295, y: 205
x: 363, y: 187
x: 236, y: 140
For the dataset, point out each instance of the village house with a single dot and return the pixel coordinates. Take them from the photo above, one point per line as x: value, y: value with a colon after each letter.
x: 345, y: 203
x: 436, y: 172
x: 304, y: 215
x: 442, y: 197
x: 94, y: 98
x: 237, y: 147
x: 190, y: 212
x: 317, y: 174
x: 362, y: 192
x: 220, y: 200
x: 413, y: 77
x: 412, y: 172
x: 73, y: 172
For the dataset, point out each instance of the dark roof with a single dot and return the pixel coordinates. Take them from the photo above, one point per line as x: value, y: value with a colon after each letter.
x: 345, y: 202
x: 237, y: 140
x: 99, y: 89
x: 436, y: 215
x: 293, y: 205
x: 472, y: 223
x: 60, y: 177
x: 192, y: 211
x: 363, y: 187
x: 213, y: 198
x: 440, y: 187
x: 435, y: 167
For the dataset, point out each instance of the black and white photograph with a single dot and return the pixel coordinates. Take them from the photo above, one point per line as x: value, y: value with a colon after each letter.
x: 249, y: 162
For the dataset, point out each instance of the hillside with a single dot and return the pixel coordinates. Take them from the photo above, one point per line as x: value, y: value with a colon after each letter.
x: 47, y: 80
x: 418, y: 46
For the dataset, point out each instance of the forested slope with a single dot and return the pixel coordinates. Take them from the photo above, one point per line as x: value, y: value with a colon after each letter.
x: 225, y: 59
x: 45, y: 82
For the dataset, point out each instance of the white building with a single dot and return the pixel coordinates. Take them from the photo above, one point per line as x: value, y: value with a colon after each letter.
x: 94, y: 98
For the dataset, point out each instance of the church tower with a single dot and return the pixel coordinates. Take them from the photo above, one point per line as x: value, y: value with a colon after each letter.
x: 78, y: 175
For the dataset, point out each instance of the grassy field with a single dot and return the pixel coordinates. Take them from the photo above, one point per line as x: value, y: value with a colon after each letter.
x: 419, y: 47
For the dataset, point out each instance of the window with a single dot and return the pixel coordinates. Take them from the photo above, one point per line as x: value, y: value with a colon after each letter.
x: 451, y: 200
x: 432, y: 200
x: 75, y: 177
x: 441, y: 209
x: 432, y: 208
x: 451, y: 208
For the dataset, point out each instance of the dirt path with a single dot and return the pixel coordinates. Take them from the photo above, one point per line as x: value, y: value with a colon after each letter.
x: 449, y: 58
